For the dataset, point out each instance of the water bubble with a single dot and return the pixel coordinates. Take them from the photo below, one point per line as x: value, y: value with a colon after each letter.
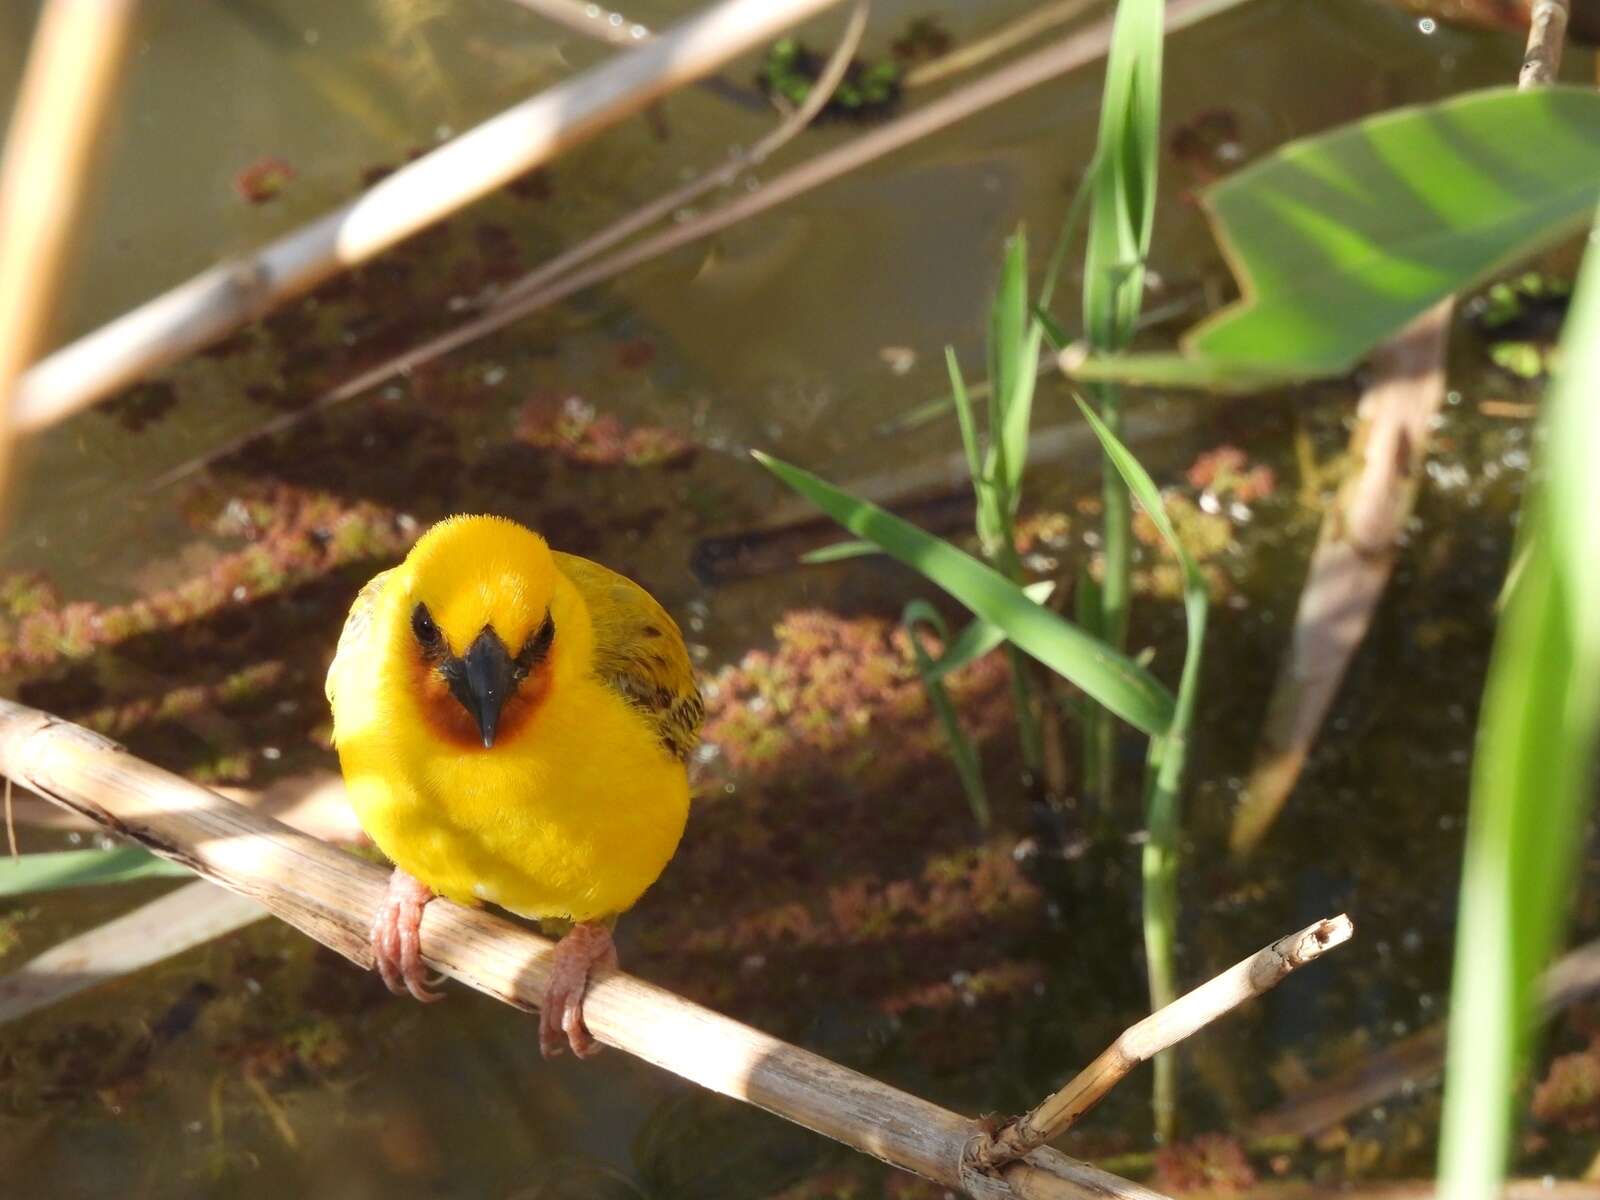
x: 1427, y: 26
x: 592, y: 11
x: 638, y: 33
x: 615, y: 20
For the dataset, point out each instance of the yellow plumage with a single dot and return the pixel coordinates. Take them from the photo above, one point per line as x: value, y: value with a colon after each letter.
x: 581, y: 800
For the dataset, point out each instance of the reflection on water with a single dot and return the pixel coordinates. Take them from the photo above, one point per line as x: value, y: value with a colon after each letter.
x: 830, y: 888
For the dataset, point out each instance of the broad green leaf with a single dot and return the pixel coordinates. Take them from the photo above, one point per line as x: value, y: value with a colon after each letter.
x: 1112, y: 678
x: 1340, y: 239
x: 1533, y: 775
x: 57, y: 869
x: 962, y: 750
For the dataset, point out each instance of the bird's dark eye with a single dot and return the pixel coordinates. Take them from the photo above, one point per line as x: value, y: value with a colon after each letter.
x: 537, y: 648
x: 422, y: 625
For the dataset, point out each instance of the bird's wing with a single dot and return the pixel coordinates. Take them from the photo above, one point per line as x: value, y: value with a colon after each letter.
x: 639, y: 652
x: 356, y: 626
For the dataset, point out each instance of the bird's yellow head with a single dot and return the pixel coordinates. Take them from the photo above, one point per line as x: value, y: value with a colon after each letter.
x: 476, y: 627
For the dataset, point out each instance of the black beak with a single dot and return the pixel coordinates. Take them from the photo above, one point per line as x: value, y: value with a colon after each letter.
x: 483, y: 680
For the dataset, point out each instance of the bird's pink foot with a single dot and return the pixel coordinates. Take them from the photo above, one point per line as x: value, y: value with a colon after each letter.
x: 397, y: 940
x: 586, y: 947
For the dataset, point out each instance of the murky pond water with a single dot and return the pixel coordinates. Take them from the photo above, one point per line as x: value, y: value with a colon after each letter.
x: 831, y: 888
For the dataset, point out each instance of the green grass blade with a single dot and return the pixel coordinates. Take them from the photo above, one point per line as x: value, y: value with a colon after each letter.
x: 1149, y: 497
x: 980, y: 637
x: 1023, y: 376
x: 1533, y: 772
x: 54, y: 870
x: 969, y: 428
x: 1052, y: 329
x: 1065, y: 236
x: 1010, y: 331
x: 1164, y: 772
x: 1122, y: 205
x: 1121, y: 217
x: 991, y: 523
x: 1112, y: 678
x: 962, y: 750
x: 839, y: 551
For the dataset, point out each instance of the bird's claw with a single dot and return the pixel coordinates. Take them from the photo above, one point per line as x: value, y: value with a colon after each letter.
x: 397, y: 939
x: 584, y: 949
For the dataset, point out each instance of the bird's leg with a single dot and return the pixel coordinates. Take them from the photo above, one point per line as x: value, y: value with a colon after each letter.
x: 585, y: 947
x: 397, y: 940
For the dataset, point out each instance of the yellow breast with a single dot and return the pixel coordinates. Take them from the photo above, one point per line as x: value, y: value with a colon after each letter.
x: 575, y: 819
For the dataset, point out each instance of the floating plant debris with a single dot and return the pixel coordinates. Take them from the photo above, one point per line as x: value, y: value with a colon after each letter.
x: 869, y: 89
x: 263, y: 180
x: 1212, y: 1162
x: 1520, y: 320
x: 925, y: 38
x: 1208, y: 145
x: 141, y: 405
x: 1226, y: 473
x: 579, y: 433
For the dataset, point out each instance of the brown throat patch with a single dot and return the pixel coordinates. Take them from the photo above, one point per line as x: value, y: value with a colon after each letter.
x: 454, y: 724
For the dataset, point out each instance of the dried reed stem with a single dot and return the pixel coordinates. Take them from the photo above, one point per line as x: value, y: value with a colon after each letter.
x: 520, y: 299
x: 604, y: 26
x: 615, y: 29
x: 1008, y: 37
x: 1161, y: 1030
x: 1547, y: 32
x: 670, y: 202
x: 417, y: 195
x: 331, y: 896
x: 66, y: 90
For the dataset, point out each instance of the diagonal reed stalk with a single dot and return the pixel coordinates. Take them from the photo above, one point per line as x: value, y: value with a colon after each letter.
x: 63, y: 102
x: 331, y: 896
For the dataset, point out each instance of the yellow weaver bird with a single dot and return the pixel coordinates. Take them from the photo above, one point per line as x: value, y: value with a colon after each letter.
x: 513, y: 724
